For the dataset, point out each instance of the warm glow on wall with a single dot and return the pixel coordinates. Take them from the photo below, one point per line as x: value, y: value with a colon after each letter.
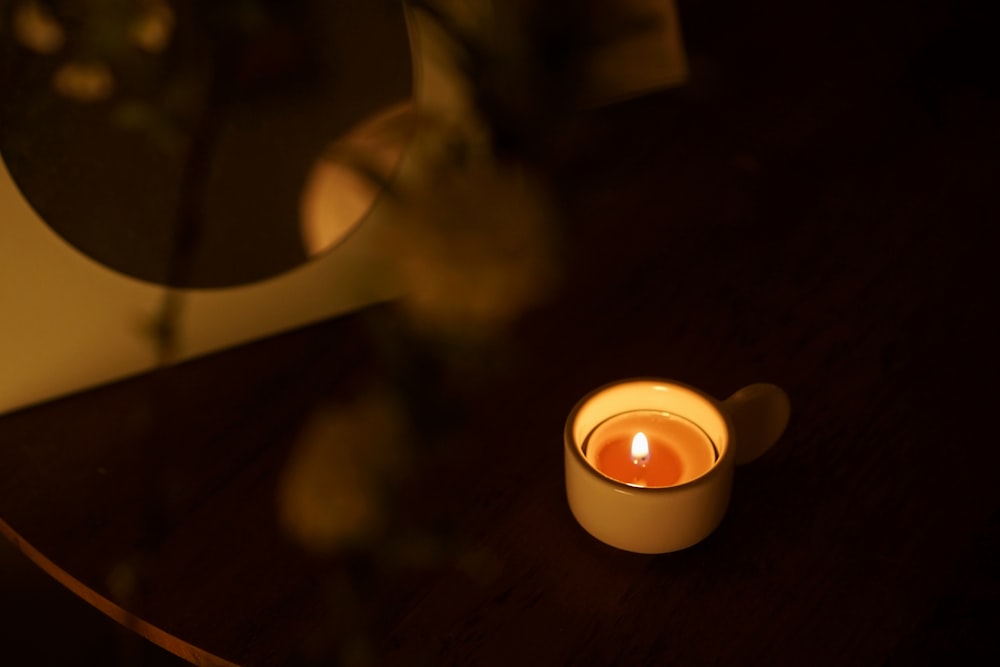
x: 344, y: 182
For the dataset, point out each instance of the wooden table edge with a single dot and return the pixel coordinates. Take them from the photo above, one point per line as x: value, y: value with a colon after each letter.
x: 158, y: 636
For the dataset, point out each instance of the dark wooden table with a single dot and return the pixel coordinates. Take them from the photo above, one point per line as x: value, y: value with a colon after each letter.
x: 817, y: 210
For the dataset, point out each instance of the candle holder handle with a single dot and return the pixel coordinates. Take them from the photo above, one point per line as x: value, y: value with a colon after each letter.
x: 759, y: 413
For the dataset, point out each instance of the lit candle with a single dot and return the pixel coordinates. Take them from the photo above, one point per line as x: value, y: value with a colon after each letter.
x: 649, y: 448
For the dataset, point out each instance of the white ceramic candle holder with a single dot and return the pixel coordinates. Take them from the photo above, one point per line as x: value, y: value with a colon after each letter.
x: 667, y: 518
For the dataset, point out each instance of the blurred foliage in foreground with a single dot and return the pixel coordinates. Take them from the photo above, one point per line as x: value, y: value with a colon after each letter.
x: 475, y: 233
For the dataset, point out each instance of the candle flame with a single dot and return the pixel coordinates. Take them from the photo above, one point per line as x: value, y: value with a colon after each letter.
x: 640, y: 448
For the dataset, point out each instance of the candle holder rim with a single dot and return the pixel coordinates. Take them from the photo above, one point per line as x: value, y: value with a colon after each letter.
x: 704, y: 478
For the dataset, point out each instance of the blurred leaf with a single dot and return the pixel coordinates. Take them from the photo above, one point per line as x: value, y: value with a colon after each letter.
x: 331, y: 494
x: 135, y: 115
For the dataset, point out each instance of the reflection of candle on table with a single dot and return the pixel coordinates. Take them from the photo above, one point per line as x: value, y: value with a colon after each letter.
x: 649, y: 448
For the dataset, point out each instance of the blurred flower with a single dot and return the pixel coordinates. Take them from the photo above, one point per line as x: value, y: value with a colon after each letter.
x: 84, y: 82
x: 152, y: 27
x: 472, y: 240
x: 37, y: 29
x: 470, y: 237
x: 331, y: 492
